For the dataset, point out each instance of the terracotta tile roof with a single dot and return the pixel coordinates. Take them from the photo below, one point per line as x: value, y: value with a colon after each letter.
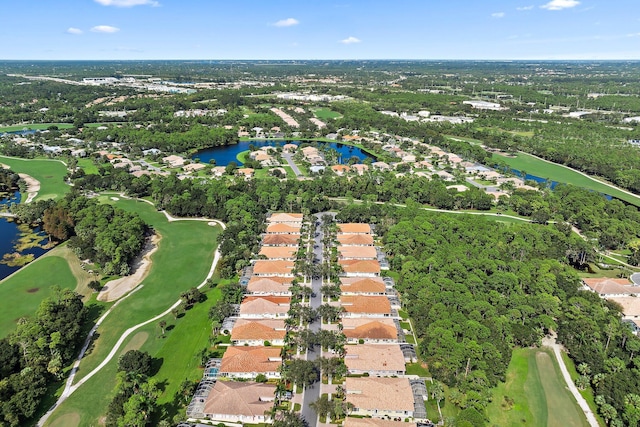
x: 366, y: 304
x: 263, y: 329
x: 358, y: 252
x: 280, y: 227
x: 240, y: 398
x: 392, y: 394
x: 354, y: 227
x: 250, y: 359
x: 607, y: 286
x: 264, y: 305
x: 272, y: 267
x: 340, y: 168
x: 630, y: 305
x: 281, y: 239
x: 355, y: 239
x: 268, y: 284
x: 360, y: 266
x: 363, y: 285
x: 285, y: 217
x: 378, y: 329
x: 374, y: 357
x: 374, y: 422
x: 283, y: 252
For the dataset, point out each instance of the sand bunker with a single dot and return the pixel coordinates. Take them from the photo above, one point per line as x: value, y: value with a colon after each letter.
x: 33, y: 186
x: 115, y: 289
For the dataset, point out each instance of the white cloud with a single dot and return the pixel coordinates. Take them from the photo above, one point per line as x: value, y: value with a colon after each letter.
x: 127, y: 3
x: 350, y: 40
x: 105, y: 29
x: 498, y: 15
x: 289, y: 22
x: 560, y: 4
x: 73, y: 30
x: 524, y: 8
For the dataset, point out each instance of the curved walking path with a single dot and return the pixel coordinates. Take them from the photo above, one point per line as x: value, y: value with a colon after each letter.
x: 591, y: 418
x: 70, y: 388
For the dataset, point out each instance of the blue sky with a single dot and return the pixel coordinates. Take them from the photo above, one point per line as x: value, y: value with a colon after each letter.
x: 320, y: 29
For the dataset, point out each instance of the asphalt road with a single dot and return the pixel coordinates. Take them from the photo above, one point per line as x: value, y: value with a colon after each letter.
x: 294, y: 167
x: 312, y: 393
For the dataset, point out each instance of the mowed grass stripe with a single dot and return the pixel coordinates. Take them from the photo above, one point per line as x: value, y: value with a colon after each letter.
x: 177, y: 353
x: 50, y: 173
x: 182, y: 261
x: 22, y: 292
x: 562, y: 409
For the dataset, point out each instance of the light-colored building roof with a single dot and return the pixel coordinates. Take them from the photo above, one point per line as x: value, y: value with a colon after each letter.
x: 358, y: 252
x: 285, y: 216
x: 374, y: 357
x: 281, y: 239
x: 250, y: 359
x: 392, y: 394
x: 280, y: 227
x: 263, y: 330
x: 354, y: 228
x: 355, y: 239
x: 268, y: 305
x: 362, y: 285
x: 378, y: 329
x: 268, y: 284
x: 279, y: 252
x: 374, y: 422
x: 248, y: 399
x: 630, y: 305
x: 273, y: 267
x: 360, y: 266
x: 608, y: 286
x: 365, y: 304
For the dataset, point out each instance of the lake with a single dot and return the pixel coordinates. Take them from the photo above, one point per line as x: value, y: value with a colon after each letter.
x: 9, y: 234
x: 225, y: 154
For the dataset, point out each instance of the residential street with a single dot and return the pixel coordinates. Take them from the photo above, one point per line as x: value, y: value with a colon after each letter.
x: 311, y: 394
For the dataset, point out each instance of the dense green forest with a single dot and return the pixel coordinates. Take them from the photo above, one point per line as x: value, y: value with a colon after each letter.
x: 35, y: 355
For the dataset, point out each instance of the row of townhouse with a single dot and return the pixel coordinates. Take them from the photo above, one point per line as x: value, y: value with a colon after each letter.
x: 257, y: 336
x: 375, y: 361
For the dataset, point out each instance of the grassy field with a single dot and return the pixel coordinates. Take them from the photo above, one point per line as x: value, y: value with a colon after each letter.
x: 36, y: 126
x: 182, y: 261
x: 175, y: 355
x: 88, y: 166
x: 534, y: 394
x: 22, y: 292
x: 544, y: 169
x: 326, y: 114
x: 50, y: 173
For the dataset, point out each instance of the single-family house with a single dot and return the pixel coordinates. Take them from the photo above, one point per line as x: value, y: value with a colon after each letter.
x: 269, y: 285
x: 279, y: 252
x: 376, y: 360
x: 174, y: 161
x: 354, y: 228
x: 362, y: 286
x: 340, y: 170
x: 365, y: 306
x: 357, y: 252
x: 247, y: 362
x: 250, y: 332
x: 284, y: 228
x: 607, y: 287
x: 359, y: 168
x: 380, y: 397
x: 360, y: 267
x: 286, y: 217
x: 281, y: 240
x: 373, y: 331
x: 240, y: 402
x: 355, y: 239
x: 264, y: 307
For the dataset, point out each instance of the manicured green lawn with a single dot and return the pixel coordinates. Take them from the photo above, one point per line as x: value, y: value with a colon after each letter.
x: 37, y: 126
x: 22, y: 292
x: 326, y: 114
x: 50, y: 173
x: 88, y: 166
x: 545, y: 169
x: 176, y: 353
x: 182, y: 261
x: 534, y: 394
x: 417, y: 369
